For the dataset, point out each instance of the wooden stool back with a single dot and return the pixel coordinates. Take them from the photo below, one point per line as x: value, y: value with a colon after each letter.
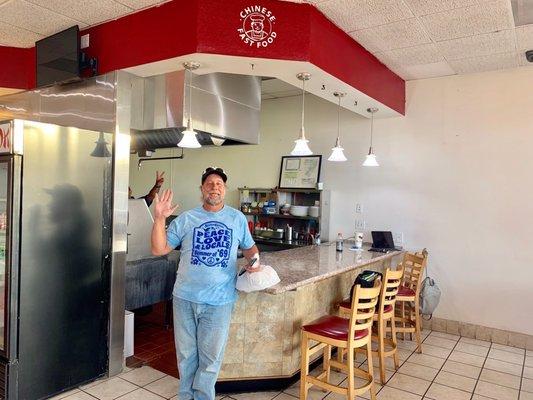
x: 389, y: 289
x: 413, y: 266
x: 363, y: 308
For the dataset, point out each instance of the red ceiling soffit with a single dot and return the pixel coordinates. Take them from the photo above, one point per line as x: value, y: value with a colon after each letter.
x: 18, y: 67
x: 294, y: 32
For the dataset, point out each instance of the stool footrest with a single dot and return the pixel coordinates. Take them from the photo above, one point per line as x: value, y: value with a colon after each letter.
x: 325, y: 385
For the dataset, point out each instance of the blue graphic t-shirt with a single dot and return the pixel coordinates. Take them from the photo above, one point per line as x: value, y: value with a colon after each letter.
x: 207, y: 270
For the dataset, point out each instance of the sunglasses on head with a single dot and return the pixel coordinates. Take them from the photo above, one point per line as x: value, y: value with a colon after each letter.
x: 211, y: 169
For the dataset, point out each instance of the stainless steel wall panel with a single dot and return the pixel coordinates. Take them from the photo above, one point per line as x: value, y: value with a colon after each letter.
x: 64, y: 286
x: 89, y: 104
x: 121, y: 162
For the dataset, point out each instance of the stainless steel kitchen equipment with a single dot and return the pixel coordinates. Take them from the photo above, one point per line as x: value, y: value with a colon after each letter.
x: 55, y: 222
x: 225, y: 110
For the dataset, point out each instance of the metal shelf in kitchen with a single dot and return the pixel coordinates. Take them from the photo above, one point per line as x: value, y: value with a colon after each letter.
x: 281, y: 216
x: 300, y: 197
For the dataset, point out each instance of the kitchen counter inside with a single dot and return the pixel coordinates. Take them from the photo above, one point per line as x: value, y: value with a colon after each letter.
x: 310, y: 264
x: 264, y: 339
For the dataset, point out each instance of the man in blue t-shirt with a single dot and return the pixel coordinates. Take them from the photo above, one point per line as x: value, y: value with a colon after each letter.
x: 204, y: 292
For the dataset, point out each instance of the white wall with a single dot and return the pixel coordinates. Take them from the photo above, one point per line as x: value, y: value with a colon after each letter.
x: 455, y: 177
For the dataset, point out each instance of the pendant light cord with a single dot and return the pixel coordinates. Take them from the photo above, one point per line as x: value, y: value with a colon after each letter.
x: 303, y: 104
x: 371, y: 129
x: 339, y: 121
x: 190, y: 100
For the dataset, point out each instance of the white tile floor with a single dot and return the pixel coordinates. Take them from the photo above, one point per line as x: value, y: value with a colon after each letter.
x: 451, y: 368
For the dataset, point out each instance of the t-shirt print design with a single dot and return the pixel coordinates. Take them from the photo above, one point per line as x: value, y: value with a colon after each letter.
x: 211, y: 244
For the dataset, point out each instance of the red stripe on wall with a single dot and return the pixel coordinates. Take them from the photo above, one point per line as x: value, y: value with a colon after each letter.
x: 218, y: 25
x: 150, y: 35
x: 18, y: 67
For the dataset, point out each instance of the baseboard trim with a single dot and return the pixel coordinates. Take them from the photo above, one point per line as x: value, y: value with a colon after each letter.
x: 472, y: 331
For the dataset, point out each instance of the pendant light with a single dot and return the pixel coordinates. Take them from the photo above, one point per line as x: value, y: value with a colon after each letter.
x: 189, y: 139
x: 337, y: 153
x: 370, y: 160
x: 100, y: 149
x: 301, y: 148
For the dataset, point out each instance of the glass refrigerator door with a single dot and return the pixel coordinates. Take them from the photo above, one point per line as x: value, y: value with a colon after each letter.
x: 4, y: 191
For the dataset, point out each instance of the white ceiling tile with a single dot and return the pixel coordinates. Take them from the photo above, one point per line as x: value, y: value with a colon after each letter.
x: 399, y: 70
x: 406, y: 33
x: 485, y: 63
x: 524, y: 37
x: 478, y: 45
x: 424, y: 71
x: 491, y: 16
x: 34, y: 18
x: 140, y: 4
x: 424, y: 7
x: 17, y: 37
x: 91, y: 14
x: 352, y: 15
x: 416, y: 55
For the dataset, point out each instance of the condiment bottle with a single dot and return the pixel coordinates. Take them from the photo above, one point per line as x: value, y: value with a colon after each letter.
x: 339, y: 243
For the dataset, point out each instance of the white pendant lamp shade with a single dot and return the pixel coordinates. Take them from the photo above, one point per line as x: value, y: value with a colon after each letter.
x: 189, y: 140
x: 370, y: 160
x: 301, y: 148
x: 337, y: 154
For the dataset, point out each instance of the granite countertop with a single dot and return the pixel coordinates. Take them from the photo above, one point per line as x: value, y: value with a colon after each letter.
x: 306, y: 265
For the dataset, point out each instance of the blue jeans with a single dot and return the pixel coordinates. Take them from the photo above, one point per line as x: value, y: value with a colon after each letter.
x: 200, y: 333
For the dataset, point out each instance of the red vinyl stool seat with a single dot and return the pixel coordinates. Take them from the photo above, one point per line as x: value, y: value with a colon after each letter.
x: 406, y: 292
x: 333, y: 327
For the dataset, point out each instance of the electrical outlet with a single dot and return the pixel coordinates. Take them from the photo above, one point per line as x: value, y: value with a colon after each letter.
x: 84, y: 41
x: 398, y: 238
x: 358, y: 208
x: 360, y: 224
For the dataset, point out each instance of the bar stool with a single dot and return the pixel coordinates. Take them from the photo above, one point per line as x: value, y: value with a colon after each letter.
x: 385, y: 314
x: 408, y: 315
x: 348, y: 334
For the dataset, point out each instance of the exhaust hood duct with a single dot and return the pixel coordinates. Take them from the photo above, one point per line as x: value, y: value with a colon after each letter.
x: 226, y: 109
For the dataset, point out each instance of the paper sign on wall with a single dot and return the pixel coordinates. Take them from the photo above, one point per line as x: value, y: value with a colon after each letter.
x: 5, y: 138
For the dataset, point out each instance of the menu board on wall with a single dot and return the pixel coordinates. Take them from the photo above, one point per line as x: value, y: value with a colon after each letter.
x: 299, y: 172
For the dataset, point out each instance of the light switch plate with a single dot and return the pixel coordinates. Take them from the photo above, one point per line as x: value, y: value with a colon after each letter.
x: 360, y: 224
x: 398, y: 238
x: 84, y: 41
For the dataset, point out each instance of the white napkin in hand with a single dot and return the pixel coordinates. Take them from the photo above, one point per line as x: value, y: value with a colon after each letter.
x: 259, y: 280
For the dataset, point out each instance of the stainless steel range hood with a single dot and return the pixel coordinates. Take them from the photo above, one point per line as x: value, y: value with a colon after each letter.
x: 225, y: 109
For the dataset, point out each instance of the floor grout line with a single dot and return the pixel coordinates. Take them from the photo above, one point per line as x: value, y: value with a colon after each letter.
x: 480, y: 372
x: 440, y: 369
x: 522, y: 376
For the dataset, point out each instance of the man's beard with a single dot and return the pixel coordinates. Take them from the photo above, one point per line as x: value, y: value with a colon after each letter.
x: 213, y: 201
